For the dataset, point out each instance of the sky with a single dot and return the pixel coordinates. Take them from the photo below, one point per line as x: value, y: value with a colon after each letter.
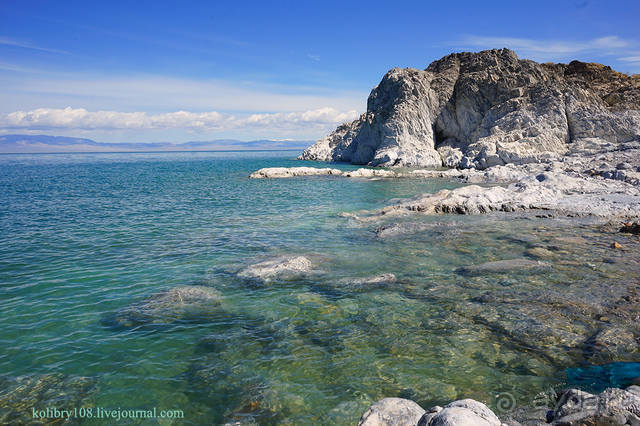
x: 143, y: 71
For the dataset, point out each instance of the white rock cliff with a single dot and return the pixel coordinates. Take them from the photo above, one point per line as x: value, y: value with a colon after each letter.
x: 477, y: 110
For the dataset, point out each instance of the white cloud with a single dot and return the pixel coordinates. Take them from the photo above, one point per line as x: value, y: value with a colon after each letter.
x: 550, y: 49
x: 630, y: 59
x: 154, y: 93
x: 6, y: 41
x: 81, y: 119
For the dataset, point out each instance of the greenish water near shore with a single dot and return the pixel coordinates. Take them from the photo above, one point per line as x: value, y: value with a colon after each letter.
x: 85, y: 235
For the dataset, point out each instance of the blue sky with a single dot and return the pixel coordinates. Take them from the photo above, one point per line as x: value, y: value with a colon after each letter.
x: 178, y: 71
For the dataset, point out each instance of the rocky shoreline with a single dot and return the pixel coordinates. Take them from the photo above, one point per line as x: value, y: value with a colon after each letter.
x: 605, y: 185
x: 553, y: 139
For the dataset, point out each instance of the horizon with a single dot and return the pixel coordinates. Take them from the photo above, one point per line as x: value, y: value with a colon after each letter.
x: 146, y: 72
x: 50, y: 144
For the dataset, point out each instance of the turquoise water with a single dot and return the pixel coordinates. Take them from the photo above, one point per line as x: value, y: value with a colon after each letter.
x: 86, y: 235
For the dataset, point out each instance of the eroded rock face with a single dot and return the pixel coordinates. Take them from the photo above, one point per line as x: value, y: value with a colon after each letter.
x: 477, y: 110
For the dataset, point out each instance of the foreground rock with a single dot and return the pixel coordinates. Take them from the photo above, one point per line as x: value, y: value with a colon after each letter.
x: 465, y: 412
x: 392, y: 412
x: 573, y: 408
x: 182, y: 303
x: 285, y: 267
x: 477, y: 110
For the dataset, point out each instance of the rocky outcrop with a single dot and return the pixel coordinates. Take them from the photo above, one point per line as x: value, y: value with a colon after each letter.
x: 477, y: 110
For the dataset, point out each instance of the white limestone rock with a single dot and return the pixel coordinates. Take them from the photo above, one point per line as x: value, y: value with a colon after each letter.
x: 370, y: 173
x: 558, y: 192
x: 284, y: 172
x: 465, y: 412
x: 478, y: 110
x: 392, y: 412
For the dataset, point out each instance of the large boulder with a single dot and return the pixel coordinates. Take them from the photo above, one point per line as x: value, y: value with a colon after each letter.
x: 465, y: 412
x: 392, y: 412
x: 485, y: 109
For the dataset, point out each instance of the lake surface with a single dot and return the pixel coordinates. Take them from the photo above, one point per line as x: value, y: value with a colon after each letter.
x: 85, y: 235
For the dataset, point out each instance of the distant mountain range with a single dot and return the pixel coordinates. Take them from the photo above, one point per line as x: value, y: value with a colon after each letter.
x: 28, y: 144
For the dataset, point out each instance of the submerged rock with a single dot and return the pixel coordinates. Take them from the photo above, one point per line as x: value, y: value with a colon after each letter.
x: 477, y: 110
x: 382, y: 278
x: 503, y: 266
x: 540, y: 253
x: 285, y: 267
x: 177, y: 304
x: 392, y: 412
x: 20, y: 395
x: 363, y: 284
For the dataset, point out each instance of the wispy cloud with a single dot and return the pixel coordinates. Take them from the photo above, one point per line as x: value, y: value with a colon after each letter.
x: 81, y: 119
x: 550, y: 49
x: 152, y: 93
x: 634, y: 59
x: 6, y: 41
x: 313, y: 57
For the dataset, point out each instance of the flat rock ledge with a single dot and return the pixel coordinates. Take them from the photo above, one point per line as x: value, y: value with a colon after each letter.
x: 287, y: 172
x: 558, y: 192
x: 573, y: 408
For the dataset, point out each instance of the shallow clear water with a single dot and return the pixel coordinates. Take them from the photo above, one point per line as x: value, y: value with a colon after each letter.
x: 85, y: 235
